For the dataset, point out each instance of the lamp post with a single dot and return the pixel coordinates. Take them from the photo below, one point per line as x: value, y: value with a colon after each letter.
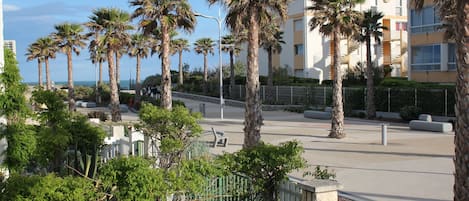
x: 222, y: 102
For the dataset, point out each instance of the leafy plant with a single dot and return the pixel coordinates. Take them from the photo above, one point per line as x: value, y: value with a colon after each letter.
x: 102, y: 116
x: 267, y: 165
x: 408, y: 113
x: 320, y: 173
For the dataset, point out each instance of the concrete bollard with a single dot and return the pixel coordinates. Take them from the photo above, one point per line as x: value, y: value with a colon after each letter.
x: 384, y: 134
x: 202, y: 109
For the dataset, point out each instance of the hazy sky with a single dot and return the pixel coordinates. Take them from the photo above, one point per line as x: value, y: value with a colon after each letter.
x: 27, y: 20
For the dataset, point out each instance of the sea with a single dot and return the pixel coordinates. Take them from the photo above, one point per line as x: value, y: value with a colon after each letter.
x: 125, y: 84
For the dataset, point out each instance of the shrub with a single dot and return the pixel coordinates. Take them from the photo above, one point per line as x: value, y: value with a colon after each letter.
x: 125, y: 98
x: 98, y: 114
x: 84, y: 93
x: 320, y: 173
x: 408, y: 113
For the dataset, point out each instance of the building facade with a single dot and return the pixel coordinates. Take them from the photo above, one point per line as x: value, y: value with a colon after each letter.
x: 11, y: 45
x: 432, y: 57
x: 306, y: 53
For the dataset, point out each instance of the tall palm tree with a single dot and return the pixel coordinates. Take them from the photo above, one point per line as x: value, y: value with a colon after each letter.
x: 336, y: 18
x: 272, y: 40
x: 204, y: 46
x: 33, y: 52
x: 453, y: 13
x: 139, y: 48
x: 97, y: 53
x: 252, y: 15
x: 48, y: 49
x: 116, y: 23
x: 179, y: 45
x: 166, y: 16
x: 231, y: 44
x: 371, y: 27
x: 69, y: 39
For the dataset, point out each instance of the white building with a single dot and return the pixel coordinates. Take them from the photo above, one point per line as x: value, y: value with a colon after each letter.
x: 11, y: 45
x: 308, y: 54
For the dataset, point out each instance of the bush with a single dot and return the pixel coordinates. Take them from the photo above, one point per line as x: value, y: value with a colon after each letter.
x: 84, y: 93
x: 125, y: 98
x: 320, y: 173
x: 408, y: 113
x: 392, y: 82
x: 98, y: 114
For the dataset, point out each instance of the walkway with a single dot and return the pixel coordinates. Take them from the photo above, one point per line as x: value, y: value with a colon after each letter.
x: 415, y: 165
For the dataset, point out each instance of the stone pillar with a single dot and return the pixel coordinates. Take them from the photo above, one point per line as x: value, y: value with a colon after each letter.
x: 319, y: 190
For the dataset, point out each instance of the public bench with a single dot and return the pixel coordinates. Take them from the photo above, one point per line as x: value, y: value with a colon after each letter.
x: 425, y: 123
x: 314, y: 114
x: 219, y: 138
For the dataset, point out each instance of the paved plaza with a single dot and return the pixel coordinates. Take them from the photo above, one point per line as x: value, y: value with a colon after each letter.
x: 415, y: 165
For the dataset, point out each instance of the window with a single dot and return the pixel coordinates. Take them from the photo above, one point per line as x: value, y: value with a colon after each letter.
x: 299, y: 50
x: 298, y: 25
x: 425, y: 58
x: 451, y: 56
x: 426, y: 20
x: 401, y: 26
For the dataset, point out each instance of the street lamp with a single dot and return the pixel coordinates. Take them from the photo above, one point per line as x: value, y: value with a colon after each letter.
x: 222, y: 102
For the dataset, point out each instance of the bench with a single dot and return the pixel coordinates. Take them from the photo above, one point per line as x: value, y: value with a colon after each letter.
x: 313, y: 114
x: 425, y: 123
x: 219, y: 138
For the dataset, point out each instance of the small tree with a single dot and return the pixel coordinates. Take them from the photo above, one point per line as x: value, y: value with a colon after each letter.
x: 267, y: 165
x: 174, y: 129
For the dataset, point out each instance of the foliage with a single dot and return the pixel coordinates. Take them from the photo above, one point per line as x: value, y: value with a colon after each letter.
x: 102, y: 116
x: 408, y: 113
x: 266, y: 164
x: 151, y: 81
x: 48, y: 188
x: 12, y: 100
x: 132, y: 179
x: 126, y: 98
x: 392, y: 82
x: 355, y: 75
x: 320, y: 173
x: 84, y: 93
x: 21, y: 140
x: 175, y: 129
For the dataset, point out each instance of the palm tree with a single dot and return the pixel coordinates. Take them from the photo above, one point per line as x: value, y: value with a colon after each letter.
x: 69, y: 38
x: 180, y: 45
x: 272, y: 40
x: 166, y: 16
x: 370, y: 28
x: 454, y: 15
x: 116, y: 23
x: 251, y: 15
x: 139, y: 48
x: 336, y: 18
x: 48, y: 49
x: 33, y: 52
x: 204, y: 46
x: 231, y: 44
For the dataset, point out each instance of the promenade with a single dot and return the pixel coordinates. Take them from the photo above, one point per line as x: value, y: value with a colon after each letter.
x: 415, y: 165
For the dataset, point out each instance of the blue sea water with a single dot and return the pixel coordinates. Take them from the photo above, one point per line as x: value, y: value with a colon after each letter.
x: 125, y: 84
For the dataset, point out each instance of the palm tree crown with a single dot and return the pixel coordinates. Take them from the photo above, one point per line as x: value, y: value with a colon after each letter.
x: 34, y: 52
x: 48, y: 48
x: 231, y: 44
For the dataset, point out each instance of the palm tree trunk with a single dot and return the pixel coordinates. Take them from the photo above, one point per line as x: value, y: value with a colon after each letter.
x: 39, y: 69
x: 100, y: 73
x: 71, y: 95
x: 48, y: 84
x: 166, y: 99
x: 253, y: 109
x: 118, y: 70
x: 137, y: 80
x: 232, y: 72
x: 337, y: 126
x: 115, y: 111
x: 270, y: 74
x: 370, y: 92
x: 205, y: 74
x: 461, y: 137
x: 181, y: 76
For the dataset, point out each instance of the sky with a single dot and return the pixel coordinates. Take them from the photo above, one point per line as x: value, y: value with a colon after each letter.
x: 27, y: 20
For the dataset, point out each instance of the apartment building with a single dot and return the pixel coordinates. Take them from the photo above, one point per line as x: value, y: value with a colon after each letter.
x: 10, y: 44
x: 432, y: 58
x: 308, y: 54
